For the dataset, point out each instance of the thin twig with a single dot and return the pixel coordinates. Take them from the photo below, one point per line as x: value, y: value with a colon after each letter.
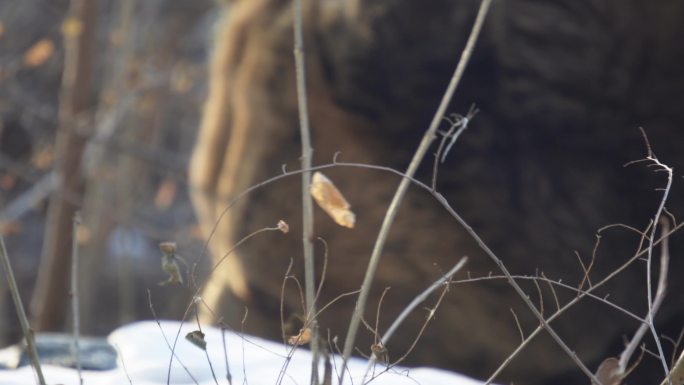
x: 458, y: 124
x: 25, y: 327
x: 572, y: 302
x: 242, y: 333
x: 553, y: 283
x: 199, y: 289
x: 651, y: 302
x: 526, y: 299
x: 172, y: 349
x: 553, y: 291
x: 324, y: 270
x: 403, y: 186
x: 443, y: 280
x: 541, y: 297
x: 626, y: 354
x: 282, y: 300
x: 206, y: 353
x: 376, y: 332
x: 307, y: 205
x: 445, y: 204
x: 229, y: 377
x: 76, y: 315
x: 517, y: 323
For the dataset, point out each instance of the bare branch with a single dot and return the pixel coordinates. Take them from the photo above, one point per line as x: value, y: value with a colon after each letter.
x: 444, y: 280
x: 403, y: 186
x: 307, y: 205
x: 23, y: 320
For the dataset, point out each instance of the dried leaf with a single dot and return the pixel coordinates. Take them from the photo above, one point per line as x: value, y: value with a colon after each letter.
x: 197, y: 338
x: 39, y: 53
x: 303, y: 338
x: 331, y: 200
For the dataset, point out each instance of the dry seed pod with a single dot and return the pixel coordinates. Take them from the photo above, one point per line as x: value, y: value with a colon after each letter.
x: 168, y: 247
x: 283, y: 226
x: 197, y: 338
x: 170, y: 264
x: 380, y: 352
x: 331, y: 200
x: 304, y: 337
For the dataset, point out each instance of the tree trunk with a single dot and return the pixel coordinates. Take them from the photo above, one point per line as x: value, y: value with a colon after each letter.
x: 51, y: 295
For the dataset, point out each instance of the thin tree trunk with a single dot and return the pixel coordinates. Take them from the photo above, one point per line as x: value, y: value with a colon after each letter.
x: 51, y: 296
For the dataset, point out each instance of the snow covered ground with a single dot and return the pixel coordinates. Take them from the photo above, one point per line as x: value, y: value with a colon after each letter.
x: 144, y: 360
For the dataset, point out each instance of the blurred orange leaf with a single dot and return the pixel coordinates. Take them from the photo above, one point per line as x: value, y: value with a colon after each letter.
x: 2, y: 29
x: 166, y: 193
x: 39, y: 53
x: 331, y: 200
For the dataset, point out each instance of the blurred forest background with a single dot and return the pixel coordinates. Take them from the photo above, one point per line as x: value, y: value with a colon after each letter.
x: 99, y: 106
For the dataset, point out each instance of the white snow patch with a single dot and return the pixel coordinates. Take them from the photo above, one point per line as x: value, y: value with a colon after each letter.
x: 145, y: 355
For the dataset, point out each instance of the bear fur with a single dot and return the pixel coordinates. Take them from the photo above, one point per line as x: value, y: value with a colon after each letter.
x: 562, y: 87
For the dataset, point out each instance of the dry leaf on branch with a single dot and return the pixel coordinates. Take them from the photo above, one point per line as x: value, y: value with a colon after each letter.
x: 331, y: 200
x: 303, y: 338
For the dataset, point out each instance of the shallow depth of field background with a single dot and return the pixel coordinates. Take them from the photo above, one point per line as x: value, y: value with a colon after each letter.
x: 149, y: 80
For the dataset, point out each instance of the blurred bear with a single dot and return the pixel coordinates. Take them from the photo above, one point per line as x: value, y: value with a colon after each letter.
x: 562, y: 87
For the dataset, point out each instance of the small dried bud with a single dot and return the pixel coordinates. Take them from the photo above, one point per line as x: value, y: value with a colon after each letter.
x: 379, y: 349
x: 380, y: 352
x: 168, y: 247
x: 170, y: 264
x: 283, y: 226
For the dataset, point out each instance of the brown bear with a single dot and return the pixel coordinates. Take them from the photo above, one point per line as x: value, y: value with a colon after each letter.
x: 561, y: 87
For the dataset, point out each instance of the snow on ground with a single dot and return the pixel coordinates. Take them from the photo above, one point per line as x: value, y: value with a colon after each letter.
x: 144, y: 360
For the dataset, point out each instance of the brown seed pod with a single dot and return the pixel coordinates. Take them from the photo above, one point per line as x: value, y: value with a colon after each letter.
x: 283, y: 226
